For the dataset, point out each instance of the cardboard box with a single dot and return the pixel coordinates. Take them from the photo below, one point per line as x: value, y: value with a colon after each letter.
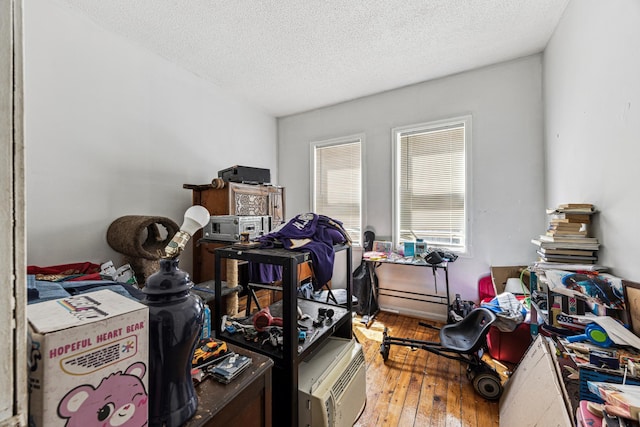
x: 89, y: 360
x: 499, y: 276
x: 534, y: 395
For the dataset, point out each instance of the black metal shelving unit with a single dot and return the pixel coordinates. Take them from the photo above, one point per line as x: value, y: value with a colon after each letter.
x: 286, y: 360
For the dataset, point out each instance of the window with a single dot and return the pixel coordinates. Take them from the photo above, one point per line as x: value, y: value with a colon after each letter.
x: 430, y: 190
x: 336, y: 182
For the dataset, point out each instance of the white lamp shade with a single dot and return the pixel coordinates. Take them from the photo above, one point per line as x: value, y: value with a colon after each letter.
x: 514, y: 286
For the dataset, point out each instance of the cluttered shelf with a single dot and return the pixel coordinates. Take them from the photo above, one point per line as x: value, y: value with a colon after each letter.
x: 272, y: 346
x: 286, y: 345
x: 576, y: 371
x: 585, y: 318
x: 284, y: 349
x: 586, y: 327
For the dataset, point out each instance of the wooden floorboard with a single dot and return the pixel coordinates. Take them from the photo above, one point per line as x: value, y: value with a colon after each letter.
x: 416, y: 376
x: 398, y: 384
x: 415, y: 387
x: 441, y: 382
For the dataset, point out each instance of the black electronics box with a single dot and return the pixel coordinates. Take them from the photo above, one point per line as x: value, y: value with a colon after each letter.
x: 245, y: 174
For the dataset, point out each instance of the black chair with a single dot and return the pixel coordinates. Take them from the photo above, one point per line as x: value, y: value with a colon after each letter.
x: 468, y: 335
x: 463, y: 341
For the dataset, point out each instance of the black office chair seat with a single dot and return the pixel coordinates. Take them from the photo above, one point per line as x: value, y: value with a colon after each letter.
x: 468, y: 335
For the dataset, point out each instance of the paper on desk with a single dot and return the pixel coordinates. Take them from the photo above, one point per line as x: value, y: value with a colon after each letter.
x: 618, y: 333
x: 374, y: 256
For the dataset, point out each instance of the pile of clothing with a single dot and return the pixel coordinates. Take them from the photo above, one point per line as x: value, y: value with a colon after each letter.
x: 313, y: 233
x: 61, y: 281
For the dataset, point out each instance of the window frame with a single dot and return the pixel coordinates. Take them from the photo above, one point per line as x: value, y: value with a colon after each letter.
x: 343, y: 140
x: 14, y: 402
x: 396, y: 136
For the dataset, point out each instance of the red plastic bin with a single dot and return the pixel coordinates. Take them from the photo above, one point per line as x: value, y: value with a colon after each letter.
x: 509, y: 347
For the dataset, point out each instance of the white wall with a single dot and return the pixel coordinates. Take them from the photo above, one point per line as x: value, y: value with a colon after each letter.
x: 507, y: 171
x: 592, y: 117
x: 113, y: 130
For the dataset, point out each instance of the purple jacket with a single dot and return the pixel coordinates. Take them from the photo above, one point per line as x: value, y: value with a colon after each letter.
x: 311, y: 233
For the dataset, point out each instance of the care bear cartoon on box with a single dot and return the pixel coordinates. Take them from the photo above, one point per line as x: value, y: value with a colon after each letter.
x: 119, y: 400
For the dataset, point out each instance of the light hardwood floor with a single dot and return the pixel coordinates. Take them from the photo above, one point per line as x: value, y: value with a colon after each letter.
x: 415, y: 387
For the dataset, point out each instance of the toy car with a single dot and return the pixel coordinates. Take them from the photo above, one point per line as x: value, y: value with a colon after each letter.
x: 209, y: 350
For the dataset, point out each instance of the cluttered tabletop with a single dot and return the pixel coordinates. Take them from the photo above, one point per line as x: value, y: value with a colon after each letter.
x: 589, y: 316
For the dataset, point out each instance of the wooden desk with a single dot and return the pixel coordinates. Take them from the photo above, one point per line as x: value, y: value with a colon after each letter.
x: 245, y: 401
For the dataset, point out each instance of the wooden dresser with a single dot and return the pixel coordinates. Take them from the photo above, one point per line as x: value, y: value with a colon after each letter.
x: 245, y: 401
x: 232, y: 199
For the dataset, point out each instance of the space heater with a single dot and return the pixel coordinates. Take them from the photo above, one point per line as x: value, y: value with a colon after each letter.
x: 332, y: 385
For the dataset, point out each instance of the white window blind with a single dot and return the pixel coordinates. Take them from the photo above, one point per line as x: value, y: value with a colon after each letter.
x: 431, y: 193
x: 337, y: 178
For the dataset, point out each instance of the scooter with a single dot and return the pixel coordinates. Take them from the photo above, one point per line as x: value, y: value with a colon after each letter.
x: 463, y: 341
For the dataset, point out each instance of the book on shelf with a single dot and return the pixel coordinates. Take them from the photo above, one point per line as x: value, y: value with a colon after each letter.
x: 563, y: 251
x: 567, y: 257
x: 561, y: 260
x: 567, y: 239
x: 567, y: 225
x: 569, y: 218
x: 570, y: 244
x: 573, y: 208
x: 566, y: 233
x: 566, y: 261
x: 573, y: 211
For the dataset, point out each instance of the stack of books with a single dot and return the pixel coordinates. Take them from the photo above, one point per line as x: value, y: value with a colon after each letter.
x: 567, y: 239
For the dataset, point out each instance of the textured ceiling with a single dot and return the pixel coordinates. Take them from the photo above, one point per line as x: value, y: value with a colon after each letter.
x: 289, y: 56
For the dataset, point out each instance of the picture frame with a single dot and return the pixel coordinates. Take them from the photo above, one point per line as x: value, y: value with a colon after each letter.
x: 632, y: 304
